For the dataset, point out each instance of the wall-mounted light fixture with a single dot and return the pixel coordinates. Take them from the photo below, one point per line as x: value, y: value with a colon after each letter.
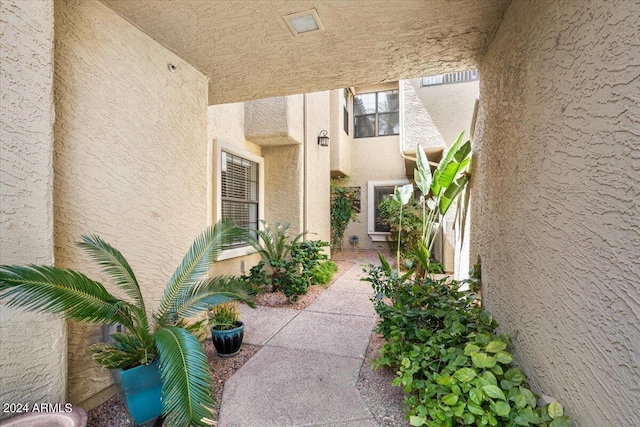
x: 323, y: 139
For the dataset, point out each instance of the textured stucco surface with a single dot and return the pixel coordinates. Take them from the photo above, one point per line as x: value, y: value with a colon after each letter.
x: 32, y: 347
x: 340, y: 142
x: 317, y: 159
x: 274, y: 121
x: 417, y: 125
x: 284, y: 186
x: 130, y: 158
x: 555, y: 200
x: 249, y: 53
x: 450, y: 106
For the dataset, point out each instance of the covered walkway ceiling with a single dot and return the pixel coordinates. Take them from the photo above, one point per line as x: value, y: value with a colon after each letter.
x: 247, y: 51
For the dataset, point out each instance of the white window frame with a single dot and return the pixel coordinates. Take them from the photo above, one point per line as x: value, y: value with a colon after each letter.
x: 378, y: 236
x: 215, y: 193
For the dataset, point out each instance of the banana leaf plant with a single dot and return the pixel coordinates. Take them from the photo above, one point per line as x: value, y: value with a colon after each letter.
x: 186, y: 378
x: 440, y: 190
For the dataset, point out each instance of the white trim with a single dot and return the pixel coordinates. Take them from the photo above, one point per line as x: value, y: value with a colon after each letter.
x: 215, y: 206
x: 378, y: 236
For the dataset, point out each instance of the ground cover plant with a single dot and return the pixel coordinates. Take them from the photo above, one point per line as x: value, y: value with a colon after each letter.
x: 452, y: 364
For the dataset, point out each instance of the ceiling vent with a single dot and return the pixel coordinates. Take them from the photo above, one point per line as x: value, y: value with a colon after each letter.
x: 301, y: 23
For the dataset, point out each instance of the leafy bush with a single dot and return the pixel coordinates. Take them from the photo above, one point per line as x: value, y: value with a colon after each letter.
x: 450, y: 361
x: 323, y: 272
x: 390, y: 213
x: 342, y: 212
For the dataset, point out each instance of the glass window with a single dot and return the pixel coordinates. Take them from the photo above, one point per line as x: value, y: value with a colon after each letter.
x: 345, y: 116
x: 381, y: 193
x: 376, y: 114
x: 239, y: 195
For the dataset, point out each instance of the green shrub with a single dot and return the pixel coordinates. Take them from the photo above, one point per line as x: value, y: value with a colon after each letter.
x: 342, y: 212
x: 411, y: 226
x: 323, y: 272
x: 450, y: 361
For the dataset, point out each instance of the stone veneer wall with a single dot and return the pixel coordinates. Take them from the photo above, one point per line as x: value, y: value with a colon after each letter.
x: 32, y: 347
x: 130, y: 160
x: 555, y: 200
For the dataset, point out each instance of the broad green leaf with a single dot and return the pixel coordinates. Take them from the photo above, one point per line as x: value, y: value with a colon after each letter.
x: 561, y: 422
x: 446, y: 380
x: 495, y: 346
x: 493, y: 392
x: 451, y: 193
x: 521, y: 401
x: 521, y: 420
x: 502, y: 408
x: 417, y: 421
x: 514, y: 375
x: 475, y: 408
x: 489, y: 378
x: 497, y: 370
x: 504, y: 357
x: 458, y: 410
x: 468, y: 418
x: 471, y: 348
x: 528, y: 394
x: 506, y: 385
x: 403, y: 194
x: 555, y: 410
x: 476, y: 396
x: 492, y: 419
x: 436, y: 187
x: 465, y: 374
x: 479, y: 360
x: 450, y: 399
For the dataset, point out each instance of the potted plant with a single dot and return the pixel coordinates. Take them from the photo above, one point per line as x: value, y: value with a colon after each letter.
x: 162, y: 364
x: 227, y: 330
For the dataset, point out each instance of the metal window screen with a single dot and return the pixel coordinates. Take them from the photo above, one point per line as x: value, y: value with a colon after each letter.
x: 239, y: 195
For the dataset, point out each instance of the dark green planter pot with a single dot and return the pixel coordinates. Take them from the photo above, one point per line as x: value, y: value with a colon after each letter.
x: 228, y: 342
x: 142, y: 390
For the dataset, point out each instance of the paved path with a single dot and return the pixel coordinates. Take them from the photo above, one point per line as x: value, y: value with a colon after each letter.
x: 306, y: 372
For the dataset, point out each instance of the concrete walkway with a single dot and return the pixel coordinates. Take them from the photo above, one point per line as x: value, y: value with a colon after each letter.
x: 306, y: 372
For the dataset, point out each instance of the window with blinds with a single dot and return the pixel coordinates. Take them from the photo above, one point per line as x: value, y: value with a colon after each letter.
x: 239, y: 195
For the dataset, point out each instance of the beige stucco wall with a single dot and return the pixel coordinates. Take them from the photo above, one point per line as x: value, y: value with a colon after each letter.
x: 32, y: 347
x: 274, y: 121
x: 225, y: 124
x: 317, y: 159
x: 340, y: 142
x: 450, y: 106
x: 284, y: 186
x: 130, y: 159
x: 416, y: 122
x: 556, y: 190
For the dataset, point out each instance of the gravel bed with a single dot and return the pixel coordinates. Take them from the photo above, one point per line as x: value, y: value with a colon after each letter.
x: 385, y: 401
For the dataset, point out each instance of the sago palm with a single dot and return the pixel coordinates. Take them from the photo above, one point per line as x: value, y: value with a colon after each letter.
x: 186, y: 378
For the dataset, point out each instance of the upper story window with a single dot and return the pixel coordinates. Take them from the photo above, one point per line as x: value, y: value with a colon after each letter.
x: 345, y: 116
x: 376, y: 114
x: 239, y: 195
x: 443, y: 79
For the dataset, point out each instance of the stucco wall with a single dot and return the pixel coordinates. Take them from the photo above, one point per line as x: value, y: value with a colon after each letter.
x: 340, y: 142
x: 225, y: 124
x: 556, y: 190
x: 274, y: 121
x: 450, y: 106
x: 317, y: 159
x: 130, y: 159
x: 32, y: 347
x: 284, y: 186
x: 417, y: 124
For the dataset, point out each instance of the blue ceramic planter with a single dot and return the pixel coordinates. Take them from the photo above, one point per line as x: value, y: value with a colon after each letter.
x: 227, y: 342
x: 142, y: 391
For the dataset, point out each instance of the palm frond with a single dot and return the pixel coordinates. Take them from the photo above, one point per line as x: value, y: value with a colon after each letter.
x: 47, y: 289
x: 114, y: 265
x: 202, y: 254
x: 186, y: 378
x: 212, y: 291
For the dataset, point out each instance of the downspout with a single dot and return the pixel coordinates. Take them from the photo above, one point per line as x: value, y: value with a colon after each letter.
x: 304, y: 165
